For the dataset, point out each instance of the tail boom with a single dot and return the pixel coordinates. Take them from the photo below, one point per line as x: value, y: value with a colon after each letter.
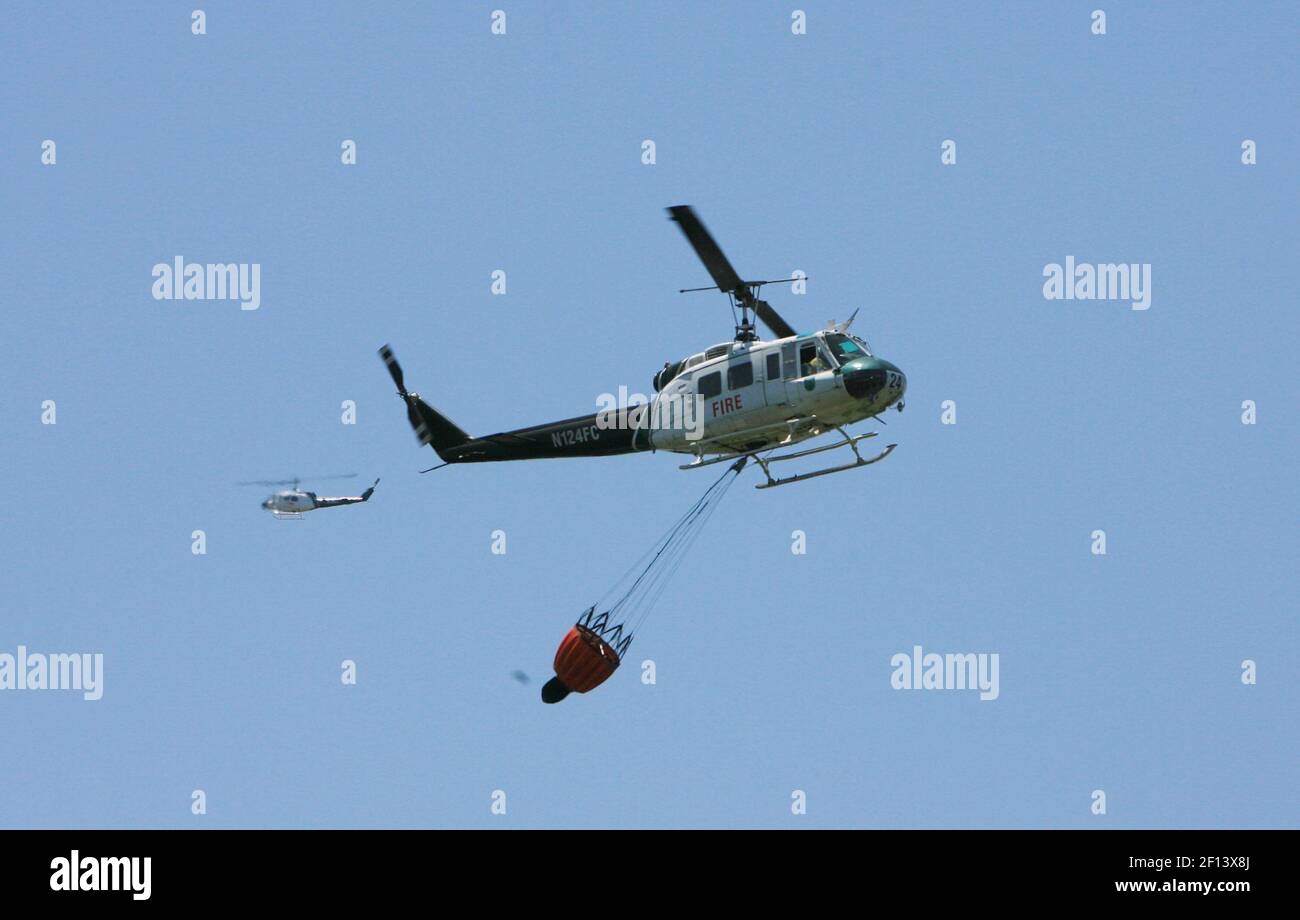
x: 575, y: 437
x: 582, y: 436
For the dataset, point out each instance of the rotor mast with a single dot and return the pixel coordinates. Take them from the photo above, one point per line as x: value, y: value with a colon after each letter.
x: 743, y: 294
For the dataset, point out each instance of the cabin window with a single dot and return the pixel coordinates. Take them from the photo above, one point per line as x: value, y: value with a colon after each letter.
x: 789, y: 362
x: 774, y: 366
x: 740, y: 374
x: 710, y: 384
x: 809, y: 362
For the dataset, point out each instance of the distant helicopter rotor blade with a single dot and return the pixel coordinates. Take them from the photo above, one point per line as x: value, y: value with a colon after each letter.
x: 294, y: 482
x: 724, y: 276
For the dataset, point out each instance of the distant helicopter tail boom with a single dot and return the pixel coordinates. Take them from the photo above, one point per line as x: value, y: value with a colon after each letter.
x: 319, y: 502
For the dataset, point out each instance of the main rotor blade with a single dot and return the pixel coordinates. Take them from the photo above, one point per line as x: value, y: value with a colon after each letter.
x: 393, y: 368
x: 773, y: 320
x: 294, y: 482
x: 724, y: 276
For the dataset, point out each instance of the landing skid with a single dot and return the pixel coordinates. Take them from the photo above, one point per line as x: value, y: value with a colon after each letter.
x: 850, y: 441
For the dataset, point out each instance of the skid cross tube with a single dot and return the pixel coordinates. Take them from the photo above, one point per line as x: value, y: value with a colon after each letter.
x: 791, y: 425
x: 850, y: 442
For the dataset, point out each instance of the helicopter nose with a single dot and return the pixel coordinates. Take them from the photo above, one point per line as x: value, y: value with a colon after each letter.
x: 864, y: 382
x: 266, y: 504
x: 867, y: 378
x: 899, y: 385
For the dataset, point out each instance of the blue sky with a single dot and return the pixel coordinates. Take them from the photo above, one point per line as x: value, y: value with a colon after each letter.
x: 522, y: 152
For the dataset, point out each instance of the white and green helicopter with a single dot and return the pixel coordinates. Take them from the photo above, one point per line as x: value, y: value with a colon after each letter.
x: 747, y: 398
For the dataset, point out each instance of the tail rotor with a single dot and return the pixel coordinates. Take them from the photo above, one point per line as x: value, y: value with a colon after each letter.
x: 421, y: 430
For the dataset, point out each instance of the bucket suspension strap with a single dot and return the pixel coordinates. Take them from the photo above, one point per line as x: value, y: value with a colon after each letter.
x: 653, y: 571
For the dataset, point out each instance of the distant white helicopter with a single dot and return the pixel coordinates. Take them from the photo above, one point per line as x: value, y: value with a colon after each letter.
x: 295, y: 502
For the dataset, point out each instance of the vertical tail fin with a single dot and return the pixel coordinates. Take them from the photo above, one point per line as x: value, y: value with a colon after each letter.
x: 430, y: 425
x: 434, y: 427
